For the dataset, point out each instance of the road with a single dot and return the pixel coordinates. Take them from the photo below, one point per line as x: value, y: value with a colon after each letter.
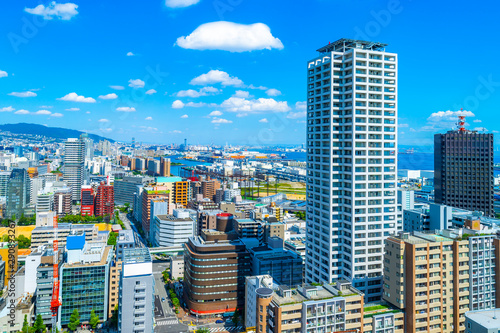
x: 166, y: 321
x: 129, y: 225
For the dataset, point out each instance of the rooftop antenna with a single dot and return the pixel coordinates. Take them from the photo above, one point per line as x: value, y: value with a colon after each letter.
x: 461, y: 122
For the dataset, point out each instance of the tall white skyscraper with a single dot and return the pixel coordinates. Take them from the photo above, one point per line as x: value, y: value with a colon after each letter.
x: 74, y: 166
x: 351, y: 163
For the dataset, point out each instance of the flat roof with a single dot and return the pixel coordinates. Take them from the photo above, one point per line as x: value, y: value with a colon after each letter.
x: 344, y: 43
x: 487, y: 318
x: 136, y: 255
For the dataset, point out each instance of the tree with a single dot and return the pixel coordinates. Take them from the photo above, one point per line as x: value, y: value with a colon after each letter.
x: 202, y: 330
x: 114, y: 318
x: 74, y: 320
x: 94, y: 319
x: 236, y: 317
x: 112, y: 238
x: 39, y: 326
x: 26, y: 326
x: 23, y: 242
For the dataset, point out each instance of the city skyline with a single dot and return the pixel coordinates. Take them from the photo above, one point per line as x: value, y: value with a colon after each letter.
x: 179, y: 84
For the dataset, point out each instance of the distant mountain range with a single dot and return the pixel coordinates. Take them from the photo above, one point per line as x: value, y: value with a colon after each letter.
x: 51, y: 132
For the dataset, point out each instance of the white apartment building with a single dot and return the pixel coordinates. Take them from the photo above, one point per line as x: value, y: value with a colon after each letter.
x: 74, y: 162
x: 351, y: 163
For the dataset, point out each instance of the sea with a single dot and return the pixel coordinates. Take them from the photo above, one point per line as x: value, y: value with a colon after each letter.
x: 415, y: 161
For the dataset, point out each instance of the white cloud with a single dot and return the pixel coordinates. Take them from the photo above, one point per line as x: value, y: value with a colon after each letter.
x: 241, y: 94
x: 46, y: 107
x: 148, y: 118
x: 130, y: 54
x: 87, y: 112
x: 236, y: 104
x: 273, y: 92
x: 296, y: 115
x: 175, y: 132
x: 264, y: 120
x: 109, y: 96
x: 180, y: 3
x: 241, y: 115
x: 3, y: 74
x: 73, y: 97
x: 151, y: 92
x: 449, y: 115
x: 257, y: 87
x: 117, y: 87
x: 22, y: 112
x: 137, y: 83
x: 215, y: 114
x: 57, y: 115
x: 103, y: 120
x: 494, y: 131
x: 403, y: 125
x: 184, y: 116
x: 42, y: 112
x: 177, y: 104
x: 221, y: 121
x: 480, y: 129
x: 73, y: 109
x: 23, y: 94
x: 7, y: 109
x: 63, y: 11
x: 477, y: 121
x: 216, y: 76
x: 106, y: 130
x: 125, y: 109
x: 205, y: 91
x: 301, y: 106
x: 229, y: 36
x: 200, y: 104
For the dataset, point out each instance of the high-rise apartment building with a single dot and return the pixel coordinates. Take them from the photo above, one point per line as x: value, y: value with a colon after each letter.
x: 351, y: 163
x: 463, y: 170
x: 74, y: 165
x: 18, y: 193
x: 62, y: 201
x: 105, y: 200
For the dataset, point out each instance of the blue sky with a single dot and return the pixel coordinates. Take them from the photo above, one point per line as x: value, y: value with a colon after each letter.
x: 233, y: 71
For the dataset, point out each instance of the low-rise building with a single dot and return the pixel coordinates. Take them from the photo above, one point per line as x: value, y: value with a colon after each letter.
x: 176, y: 267
x: 44, y: 235
x: 173, y: 230
x: 482, y: 321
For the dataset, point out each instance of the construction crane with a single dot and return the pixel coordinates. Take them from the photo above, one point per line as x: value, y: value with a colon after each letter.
x: 55, y: 303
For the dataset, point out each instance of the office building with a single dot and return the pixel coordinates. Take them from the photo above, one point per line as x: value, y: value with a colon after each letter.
x: 173, y: 230
x: 125, y: 240
x: 45, y: 234
x: 209, y: 187
x: 105, y: 200
x: 4, y: 179
x: 84, y: 279
x: 207, y: 219
x: 181, y: 193
x: 74, y: 166
x: 149, y: 193
x: 136, y: 306
x: 351, y: 163
x: 87, y: 201
x: 125, y: 188
x: 208, y: 289
x: 44, y: 201
x: 463, y: 169
x: 483, y: 321
x: 62, y: 201
x: 315, y: 308
x: 115, y: 272
x: 176, y: 267
x: 248, y: 228
x: 44, y: 284
x: 18, y: 193
x: 164, y: 167
x: 273, y: 259
x: 437, y: 277
x: 406, y: 198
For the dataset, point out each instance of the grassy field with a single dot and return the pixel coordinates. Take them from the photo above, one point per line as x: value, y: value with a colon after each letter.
x: 295, y: 190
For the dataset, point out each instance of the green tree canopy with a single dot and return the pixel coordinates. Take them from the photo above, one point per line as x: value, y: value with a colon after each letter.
x: 94, y: 319
x: 74, y: 320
